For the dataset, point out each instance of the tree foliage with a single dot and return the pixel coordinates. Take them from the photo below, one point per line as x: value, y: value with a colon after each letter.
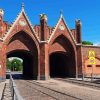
x: 14, y: 65
x: 87, y: 43
x: 8, y: 64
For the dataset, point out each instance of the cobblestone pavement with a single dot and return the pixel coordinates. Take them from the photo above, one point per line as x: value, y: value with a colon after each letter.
x: 55, y: 90
x: 34, y: 91
x: 84, y: 93
x: 29, y: 92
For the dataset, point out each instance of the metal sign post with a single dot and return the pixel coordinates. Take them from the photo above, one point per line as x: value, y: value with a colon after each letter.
x: 92, y: 61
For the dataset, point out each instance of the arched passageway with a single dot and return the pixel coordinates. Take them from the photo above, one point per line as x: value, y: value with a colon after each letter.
x: 14, y: 64
x: 62, y: 60
x: 62, y: 65
x: 24, y: 46
x: 30, y: 68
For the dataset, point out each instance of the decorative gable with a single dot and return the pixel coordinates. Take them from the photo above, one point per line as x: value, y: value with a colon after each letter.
x: 61, y: 28
x: 20, y: 24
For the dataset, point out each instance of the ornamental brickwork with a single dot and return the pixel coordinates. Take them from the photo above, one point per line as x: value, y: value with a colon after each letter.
x: 46, y: 51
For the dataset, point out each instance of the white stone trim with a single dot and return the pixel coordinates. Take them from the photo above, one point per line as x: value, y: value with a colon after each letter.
x: 43, y: 42
x: 31, y: 25
x: 12, y: 26
x: 61, y: 17
x: 70, y: 33
x: 79, y: 44
x: 55, y: 28
x: 91, y: 46
x: 1, y: 39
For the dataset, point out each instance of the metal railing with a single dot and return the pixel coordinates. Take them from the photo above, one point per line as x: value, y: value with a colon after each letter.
x: 14, y: 91
x: 89, y: 76
x: 3, y: 93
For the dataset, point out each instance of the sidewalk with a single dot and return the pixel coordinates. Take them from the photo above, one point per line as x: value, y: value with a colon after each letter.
x: 2, y: 84
x: 7, y: 91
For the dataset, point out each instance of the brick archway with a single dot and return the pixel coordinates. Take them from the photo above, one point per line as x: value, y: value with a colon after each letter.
x: 62, y: 61
x: 23, y: 46
x: 42, y: 43
x: 30, y: 68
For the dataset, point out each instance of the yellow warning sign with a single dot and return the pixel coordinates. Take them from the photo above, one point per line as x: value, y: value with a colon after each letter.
x: 92, y: 61
x: 91, y: 56
x: 91, y: 53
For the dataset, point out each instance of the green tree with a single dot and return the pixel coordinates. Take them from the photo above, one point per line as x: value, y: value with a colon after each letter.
x: 8, y: 64
x: 15, y: 65
x: 87, y: 43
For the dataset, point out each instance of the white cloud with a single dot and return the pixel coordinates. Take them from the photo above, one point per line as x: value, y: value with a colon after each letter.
x: 97, y: 44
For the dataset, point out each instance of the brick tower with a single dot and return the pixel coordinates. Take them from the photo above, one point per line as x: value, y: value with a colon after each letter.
x: 1, y: 21
x: 44, y: 59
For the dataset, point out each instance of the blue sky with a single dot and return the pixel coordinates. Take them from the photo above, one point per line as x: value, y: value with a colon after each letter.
x: 86, y: 10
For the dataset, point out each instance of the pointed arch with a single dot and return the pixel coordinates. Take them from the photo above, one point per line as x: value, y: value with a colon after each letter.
x: 61, y: 42
x: 23, y: 45
x: 24, y: 32
x: 62, y: 57
x: 24, y: 35
x: 57, y: 30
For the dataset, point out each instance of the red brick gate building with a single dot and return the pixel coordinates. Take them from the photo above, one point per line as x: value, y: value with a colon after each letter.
x: 46, y: 51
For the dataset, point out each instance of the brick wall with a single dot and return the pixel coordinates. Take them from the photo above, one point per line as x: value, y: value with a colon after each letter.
x: 88, y: 69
